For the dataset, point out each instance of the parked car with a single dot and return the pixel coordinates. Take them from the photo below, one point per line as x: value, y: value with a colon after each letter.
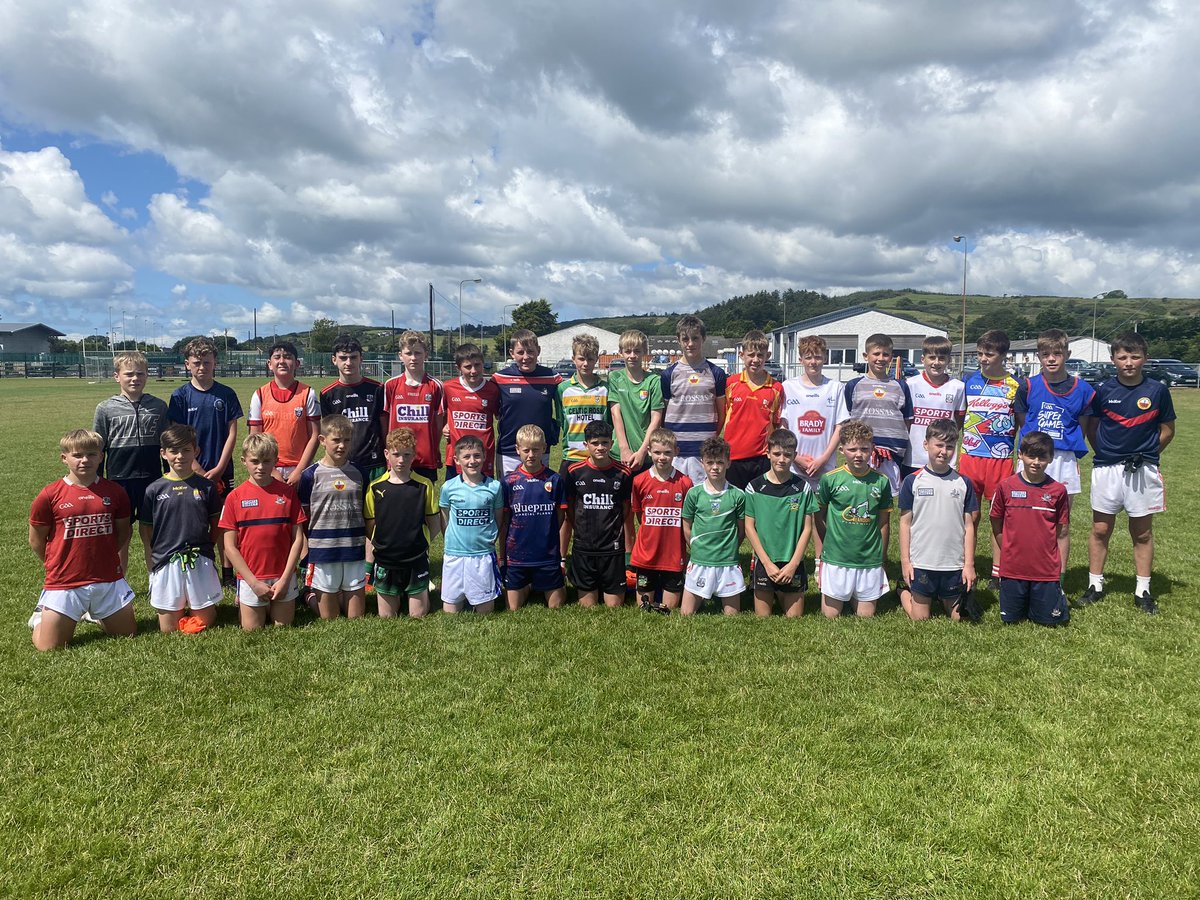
x: 616, y: 364
x: 774, y: 370
x: 1172, y: 372
x: 1097, y: 373
x: 565, y: 368
x: 1074, y: 365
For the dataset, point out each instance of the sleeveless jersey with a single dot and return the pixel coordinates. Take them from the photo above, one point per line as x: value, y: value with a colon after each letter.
x: 284, y: 414
x: 1056, y: 414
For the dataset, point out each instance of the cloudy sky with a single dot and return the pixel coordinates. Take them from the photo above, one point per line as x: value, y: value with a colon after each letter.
x: 189, y: 162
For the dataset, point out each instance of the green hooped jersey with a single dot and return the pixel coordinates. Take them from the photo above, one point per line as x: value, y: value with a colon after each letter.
x: 852, y: 506
x: 714, y: 519
x: 779, y: 511
x: 579, y: 406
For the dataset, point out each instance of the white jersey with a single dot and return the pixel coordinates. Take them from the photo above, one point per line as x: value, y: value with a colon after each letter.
x: 811, y: 413
x: 931, y: 402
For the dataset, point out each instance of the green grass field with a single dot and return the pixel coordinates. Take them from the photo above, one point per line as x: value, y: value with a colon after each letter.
x: 600, y: 753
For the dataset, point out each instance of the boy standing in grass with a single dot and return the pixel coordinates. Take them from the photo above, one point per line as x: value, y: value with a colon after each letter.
x: 814, y: 408
x: 77, y: 526
x: 470, y: 403
x: 1133, y: 421
x: 1029, y: 514
x: 935, y: 395
x: 856, y: 504
x: 884, y: 403
x: 470, y: 504
x: 779, y: 522
x: 937, y: 527
x: 179, y: 533
x: 694, y: 392
x: 752, y: 404
x: 414, y: 401
x: 528, y: 396
x: 598, y: 491
x: 401, y: 513
x: 635, y: 403
x: 331, y: 492
x: 659, y: 554
x: 289, y: 411
x: 263, y: 538
x: 535, y: 500
x: 714, y: 523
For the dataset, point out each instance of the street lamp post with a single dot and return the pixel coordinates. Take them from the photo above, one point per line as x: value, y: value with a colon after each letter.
x: 962, y: 355
x: 1095, y: 303
x: 460, y: 313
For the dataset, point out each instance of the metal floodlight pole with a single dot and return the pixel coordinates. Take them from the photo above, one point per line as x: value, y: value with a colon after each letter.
x: 1095, y: 302
x: 432, y: 345
x: 962, y: 356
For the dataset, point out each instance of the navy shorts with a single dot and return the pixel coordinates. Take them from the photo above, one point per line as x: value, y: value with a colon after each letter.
x: 538, y: 578
x: 136, y: 489
x: 651, y: 581
x: 937, y: 585
x: 760, y: 581
x: 1042, y: 602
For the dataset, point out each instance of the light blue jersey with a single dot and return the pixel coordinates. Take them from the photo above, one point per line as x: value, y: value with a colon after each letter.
x: 471, y: 521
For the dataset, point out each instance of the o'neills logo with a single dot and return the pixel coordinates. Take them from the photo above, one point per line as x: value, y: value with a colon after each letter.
x: 811, y: 423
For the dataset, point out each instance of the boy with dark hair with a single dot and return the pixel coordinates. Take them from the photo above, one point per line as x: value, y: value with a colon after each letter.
x: 1132, y: 422
x: 1029, y: 514
x: 528, y: 396
x: 470, y: 403
x: 752, y: 404
x: 779, y: 523
x: 414, y: 401
x: 714, y: 523
x: 935, y: 395
x: 694, y: 392
x: 884, y: 403
x: 289, y: 411
x: 598, y: 491
x: 635, y: 403
x: 659, y: 553
x: 179, y: 533
x: 471, y: 503
x: 535, y: 501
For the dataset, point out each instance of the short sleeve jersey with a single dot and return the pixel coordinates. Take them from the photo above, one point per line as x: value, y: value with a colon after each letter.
x: 990, y: 429
x: 751, y: 413
x: 533, y: 502
x: 714, y: 519
x: 1031, y: 514
x: 362, y: 404
x: 885, y: 405
x: 637, y: 401
x: 852, y: 506
x: 690, y: 395
x: 1128, y: 419
x: 812, y: 412
x: 285, y: 414
x: 471, y: 412
x: 578, y: 406
x: 527, y: 399
x: 131, y: 433
x: 930, y: 403
x: 658, y: 504
x: 181, y: 513
x: 211, y: 413
x: 263, y: 518
x: 939, y: 504
x: 81, y: 547
x: 1055, y: 410
x: 779, y: 511
x: 333, y: 499
x: 416, y: 406
x: 471, y: 527
x: 399, y: 511
x: 598, y: 498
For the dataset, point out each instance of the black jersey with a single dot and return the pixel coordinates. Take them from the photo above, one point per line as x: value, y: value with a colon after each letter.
x: 181, y: 512
x: 362, y: 404
x: 399, y: 510
x: 599, y: 498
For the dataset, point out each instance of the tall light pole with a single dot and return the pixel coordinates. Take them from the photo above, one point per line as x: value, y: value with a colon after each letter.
x: 111, y: 349
x: 1095, y: 302
x: 962, y: 356
x: 460, y: 314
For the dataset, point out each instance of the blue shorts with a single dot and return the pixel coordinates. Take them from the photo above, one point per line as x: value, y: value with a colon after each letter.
x: 539, y: 578
x: 1041, y: 602
x: 937, y: 585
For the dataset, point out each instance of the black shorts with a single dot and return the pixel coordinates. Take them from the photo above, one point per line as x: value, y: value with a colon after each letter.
x: 598, y: 572
x: 651, y: 581
x: 431, y: 474
x: 743, y: 471
x: 136, y: 489
x: 760, y: 581
x: 538, y: 578
x: 937, y: 585
x: 1042, y: 602
x: 403, y: 580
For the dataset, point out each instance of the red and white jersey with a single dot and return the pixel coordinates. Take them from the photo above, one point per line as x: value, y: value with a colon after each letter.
x: 930, y: 402
x: 263, y: 518
x: 416, y: 406
x: 471, y: 411
x: 82, y: 546
x: 658, y: 505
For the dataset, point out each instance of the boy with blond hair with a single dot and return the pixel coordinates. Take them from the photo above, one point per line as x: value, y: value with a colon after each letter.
x: 635, y: 403
x: 414, y: 400
x: 535, y: 502
x: 288, y: 410
x: 528, y: 396
x: 883, y: 402
x: 470, y: 503
x: 582, y: 399
x: 752, y: 404
x: 470, y: 403
x: 694, y: 392
x: 659, y: 553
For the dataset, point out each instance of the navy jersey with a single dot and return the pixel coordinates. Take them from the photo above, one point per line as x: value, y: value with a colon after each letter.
x: 533, y: 503
x: 1128, y: 420
x: 211, y: 413
x: 527, y: 399
x: 599, y: 497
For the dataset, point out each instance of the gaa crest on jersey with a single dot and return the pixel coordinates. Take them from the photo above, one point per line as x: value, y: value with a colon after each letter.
x: 107, y: 501
x: 219, y: 405
x: 879, y: 393
x: 339, y: 484
x: 643, y: 394
x: 279, y: 501
x: 1143, y: 403
x: 1046, y: 498
x: 546, y: 486
x: 693, y: 378
x: 678, y: 497
x: 298, y: 412
x: 714, y: 506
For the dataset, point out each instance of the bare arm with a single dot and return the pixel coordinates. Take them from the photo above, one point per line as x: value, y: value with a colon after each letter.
x: 279, y: 589
x: 719, y: 409
x: 757, y: 547
x: 310, y: 450
x: 1166, y: 434
x: 234, y: 558
x: 830, y: 451
x: 214, y: 473
x: 968, y: 572
x: 146, y: 532
x: 618, y: 422
x: 885, y: 532
x: 434, y: 523
x: 1090, y: 426
x: 502, y: 517
x: 629, y: 530
x: 687, y: 532
x: 906, y: 566
x: 38, y: 537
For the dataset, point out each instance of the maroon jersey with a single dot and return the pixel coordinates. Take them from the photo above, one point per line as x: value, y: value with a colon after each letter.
x: 263, y: 519
x: 1031, y: 514
x: 471, y: 412
x: 416, y: 406
x: 82, y: 546
x: 659, y: 505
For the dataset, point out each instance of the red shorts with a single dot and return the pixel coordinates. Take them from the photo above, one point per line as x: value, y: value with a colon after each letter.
x: 985, y: 473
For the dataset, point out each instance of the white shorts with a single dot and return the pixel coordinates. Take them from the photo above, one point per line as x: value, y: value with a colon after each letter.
x: 1139, y: 493
x: 890, y: 470
x: 693, y: 469
x: 172, y: 587
x: 475, y: 579
x: 844, y: 584
x: 1063, y: 468
x: 714, y: 581
x: 508, y: 462
x: 249, y: 598
x: 283, y: 473
x: 334, y: 577
x: 103, y: 599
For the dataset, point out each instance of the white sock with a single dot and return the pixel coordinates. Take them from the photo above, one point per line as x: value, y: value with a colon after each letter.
x: 1096, y: 581
x: 1143, y: 586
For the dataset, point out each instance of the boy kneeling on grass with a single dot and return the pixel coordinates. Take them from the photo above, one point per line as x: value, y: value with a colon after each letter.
x: 535, y: 501
x: 263, y: 539
x: 470, y: 503
x: 714, y: 523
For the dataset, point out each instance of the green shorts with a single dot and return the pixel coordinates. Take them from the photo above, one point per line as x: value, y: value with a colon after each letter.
x: 406, y: 580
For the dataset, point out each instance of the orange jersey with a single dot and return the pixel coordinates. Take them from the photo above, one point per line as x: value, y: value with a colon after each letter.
x: 285, y: 415
x: 751, y: 414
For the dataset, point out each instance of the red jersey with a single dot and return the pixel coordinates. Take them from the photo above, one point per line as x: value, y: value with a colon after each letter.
x: 468, y: 411
x: 263, y: 519
x: 416, y: 406
x: 751, y: 414
x: 82, y: 546
x: 659, y: 505
x: 1031, y: 514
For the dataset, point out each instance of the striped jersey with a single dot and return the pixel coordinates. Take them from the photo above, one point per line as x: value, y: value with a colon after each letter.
x: 333, y: 498
x: 527, y: 398
x: 691, y: 394
x: 884, y: 404
x: 578, y: 406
